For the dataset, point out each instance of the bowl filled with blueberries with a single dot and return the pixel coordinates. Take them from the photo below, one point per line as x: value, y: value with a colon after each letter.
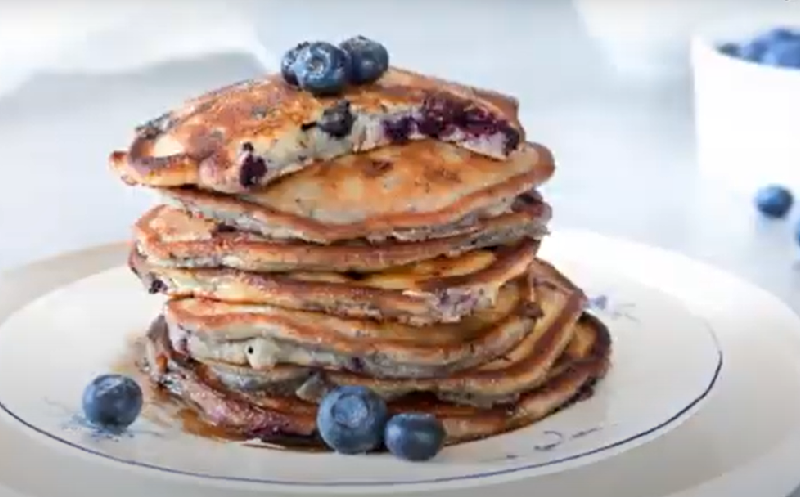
x: 747, y: 103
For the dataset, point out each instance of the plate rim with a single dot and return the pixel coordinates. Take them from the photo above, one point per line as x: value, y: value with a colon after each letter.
x: 111, y: 251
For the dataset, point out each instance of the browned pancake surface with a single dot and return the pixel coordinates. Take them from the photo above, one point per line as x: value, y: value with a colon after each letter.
x: 388, y: 185
x: 499, y: 381
x: 443, y: 289
x: 272, y: 417
x: 262, y: 336
x: 171, y: 237
x: 201, y: 143
x: 417, y: 191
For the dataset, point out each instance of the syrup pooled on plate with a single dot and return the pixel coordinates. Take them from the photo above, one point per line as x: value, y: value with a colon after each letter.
x: 162, y: 409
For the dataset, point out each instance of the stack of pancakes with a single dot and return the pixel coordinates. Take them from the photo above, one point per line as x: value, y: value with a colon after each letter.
x: 400, y: 256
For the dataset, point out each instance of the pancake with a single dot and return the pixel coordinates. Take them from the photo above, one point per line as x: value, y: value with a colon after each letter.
x: 443, y: 289
x: 261, y: 336
x: 170, y: 237
x: 500, y: 381
x: 418, y: 191
x: 291, y: 421
x: 251, y: 133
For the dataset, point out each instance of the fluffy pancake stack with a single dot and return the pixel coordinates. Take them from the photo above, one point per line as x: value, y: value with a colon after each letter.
x: 394, y: 249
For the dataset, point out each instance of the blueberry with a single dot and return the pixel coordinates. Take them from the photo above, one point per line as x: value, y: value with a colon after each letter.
x: 322, y: 68
x: 370, y: 59
x: 731, y: 49
x: 774, y: 201
x: 398, y: 131
x: 753, y: 51
x: 351, y: 419
x: 112, y: 401
x: 779, y: 34
x: 760, y: 46
x: 337, y: 120
x: 288, y: 61
x: 253, y: 169
x: 414, y: 437
x: 783, y: 54
x: 797, y: 233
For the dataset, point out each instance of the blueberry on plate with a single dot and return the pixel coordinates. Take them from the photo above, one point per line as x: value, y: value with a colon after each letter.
x: 337, y: 120
x: 112, y: 401
x: 321, y: 68
x: 370, y: 59
x: 784, y: 53
x: 351, y: 420
x: 288, y: 61
x: 414, y: 436
x: 774, y: 201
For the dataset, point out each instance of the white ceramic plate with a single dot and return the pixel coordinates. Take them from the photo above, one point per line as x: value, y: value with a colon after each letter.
x: 744, y: 441
x: 84, y: 326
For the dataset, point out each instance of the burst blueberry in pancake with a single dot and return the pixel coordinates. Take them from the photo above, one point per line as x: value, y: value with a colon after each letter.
x: 249, y: 134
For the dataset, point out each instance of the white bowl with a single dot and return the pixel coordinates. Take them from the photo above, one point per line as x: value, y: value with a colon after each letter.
x: 747, y: 115
x: 650, y: 39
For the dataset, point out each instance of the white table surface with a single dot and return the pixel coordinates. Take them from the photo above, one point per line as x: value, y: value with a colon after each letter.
x: 624, y: 150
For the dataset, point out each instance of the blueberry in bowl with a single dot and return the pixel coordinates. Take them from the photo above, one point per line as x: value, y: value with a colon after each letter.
x: 729, y: 48
x: 783, y: 54
x: 370, y: 59
x: 774, y: 201
x: 776, y: 35
x: 751, y: 51
x: 351, y: 420
x: 414, y: 436
x: 112, y: 401
x: 778, y: 46
x: 320, y: 68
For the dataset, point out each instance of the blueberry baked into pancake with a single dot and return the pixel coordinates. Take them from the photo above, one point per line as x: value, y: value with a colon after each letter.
x: 348, y: 254
x: 327, y: 102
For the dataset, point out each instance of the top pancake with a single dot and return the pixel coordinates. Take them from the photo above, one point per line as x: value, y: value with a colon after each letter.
x: 248, y: 134
x: 394, y: 192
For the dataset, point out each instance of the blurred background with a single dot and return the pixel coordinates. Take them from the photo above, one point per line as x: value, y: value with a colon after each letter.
x: 659, y: 136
